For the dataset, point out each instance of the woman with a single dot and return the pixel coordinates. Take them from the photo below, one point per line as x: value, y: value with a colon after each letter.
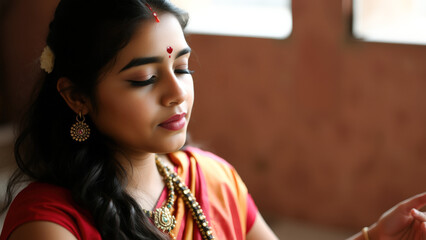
x: 117, y: 75
x: 101, y: 140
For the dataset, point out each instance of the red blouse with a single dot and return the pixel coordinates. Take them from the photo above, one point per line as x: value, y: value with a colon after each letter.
x: 45, y: 202
x: 217, y: 187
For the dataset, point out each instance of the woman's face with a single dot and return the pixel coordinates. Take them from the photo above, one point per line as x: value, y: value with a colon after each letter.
x: 144, y: 99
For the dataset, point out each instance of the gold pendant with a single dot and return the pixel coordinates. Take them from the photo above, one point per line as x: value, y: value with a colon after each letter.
x: 163, y: 219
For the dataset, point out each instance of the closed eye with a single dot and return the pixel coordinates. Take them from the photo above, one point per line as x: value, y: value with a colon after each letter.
x: 134, y: 83
x: 183, y: 71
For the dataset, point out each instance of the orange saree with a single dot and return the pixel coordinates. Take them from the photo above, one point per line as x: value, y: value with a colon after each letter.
x: 219, y: 190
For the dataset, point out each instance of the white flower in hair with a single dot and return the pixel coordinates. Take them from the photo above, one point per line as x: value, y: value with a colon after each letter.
x: 47, y: 59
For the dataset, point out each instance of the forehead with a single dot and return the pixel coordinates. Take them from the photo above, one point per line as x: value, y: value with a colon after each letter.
x: 152, y: 38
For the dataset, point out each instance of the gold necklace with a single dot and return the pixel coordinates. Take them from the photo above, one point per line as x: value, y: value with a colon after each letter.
x: 189, y: 199
x: 162, y: 216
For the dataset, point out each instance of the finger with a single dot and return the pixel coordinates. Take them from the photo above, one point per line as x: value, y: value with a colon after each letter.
x: 423, y: 229
x: 417, y: 201
x: 420, y: 216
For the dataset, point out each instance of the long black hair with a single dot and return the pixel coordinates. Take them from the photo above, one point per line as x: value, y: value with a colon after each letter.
x: 85, y: 36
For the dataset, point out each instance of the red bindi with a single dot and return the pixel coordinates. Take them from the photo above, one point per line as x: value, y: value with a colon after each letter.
x: 169, y: 50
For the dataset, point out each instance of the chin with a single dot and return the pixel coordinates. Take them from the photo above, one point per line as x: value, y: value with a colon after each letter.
x: 179, y: 146
x: 173, y: 146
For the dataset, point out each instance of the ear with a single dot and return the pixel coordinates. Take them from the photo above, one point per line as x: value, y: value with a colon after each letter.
x: 75, y: 100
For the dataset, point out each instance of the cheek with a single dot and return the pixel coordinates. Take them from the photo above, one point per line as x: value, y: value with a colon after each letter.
x: 190, y: 90
x: 122, y: 110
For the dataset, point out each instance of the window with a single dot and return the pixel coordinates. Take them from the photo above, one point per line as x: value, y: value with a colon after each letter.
x: 394, y: 21
x: 250, y: 18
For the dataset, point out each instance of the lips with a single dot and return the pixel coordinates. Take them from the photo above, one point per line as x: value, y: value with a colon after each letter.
x: 174, y: 123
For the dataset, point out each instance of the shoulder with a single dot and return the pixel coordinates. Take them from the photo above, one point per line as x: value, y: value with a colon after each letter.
x: 41, y: 230
x: 215, y: 170
x: 42, y: 191
x: 208, y: 163
x: 206, y: 158
x: 48, y: 204
x: 41, y: 198
x: 39, y: 194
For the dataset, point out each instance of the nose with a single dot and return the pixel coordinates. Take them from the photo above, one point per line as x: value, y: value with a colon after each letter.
x: 174, y: 91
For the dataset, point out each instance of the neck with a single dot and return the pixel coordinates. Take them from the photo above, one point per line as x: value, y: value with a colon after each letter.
x: 144, y: 182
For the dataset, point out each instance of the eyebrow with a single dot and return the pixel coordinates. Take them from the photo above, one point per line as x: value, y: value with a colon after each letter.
x: 141, y: 61
x: 183, y: 52
x: 147, y: 60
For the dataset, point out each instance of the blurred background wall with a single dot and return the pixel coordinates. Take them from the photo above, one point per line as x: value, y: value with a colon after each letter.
x: 323, y: 128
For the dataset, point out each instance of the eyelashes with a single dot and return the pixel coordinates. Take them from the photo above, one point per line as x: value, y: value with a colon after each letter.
x: 153, y: 79
x: 183, y: 71
x: 143, y: 83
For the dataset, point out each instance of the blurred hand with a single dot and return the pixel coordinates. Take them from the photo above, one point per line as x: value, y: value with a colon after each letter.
x: 403, y: 221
